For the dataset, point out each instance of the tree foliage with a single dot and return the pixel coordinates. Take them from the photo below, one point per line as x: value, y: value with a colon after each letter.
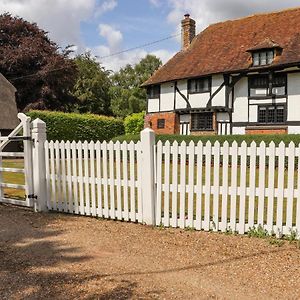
x: 36, y: 66
x: 92, y: 86
x: 127, y: 96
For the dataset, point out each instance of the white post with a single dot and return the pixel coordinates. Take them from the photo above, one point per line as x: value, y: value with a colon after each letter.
x: 28, y: 167
x: 39, y: 164
x: 148, y: 183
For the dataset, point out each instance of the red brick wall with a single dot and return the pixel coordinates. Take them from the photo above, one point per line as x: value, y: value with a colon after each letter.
x: 267, y: 131
x: 171, y: 122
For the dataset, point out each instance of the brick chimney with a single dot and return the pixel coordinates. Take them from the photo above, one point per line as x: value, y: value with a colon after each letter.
x: 188, y: 31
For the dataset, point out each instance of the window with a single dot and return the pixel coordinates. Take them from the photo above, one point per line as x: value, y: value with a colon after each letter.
x: 199, y: 85
x: 264, y: 86
x: 263, y: 58
x: 271, y: 114
x: 153, y: 91
x: 202, y: 121
x: 161, y: 123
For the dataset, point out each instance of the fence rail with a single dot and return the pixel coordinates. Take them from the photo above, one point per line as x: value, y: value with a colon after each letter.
x: 202, y: 186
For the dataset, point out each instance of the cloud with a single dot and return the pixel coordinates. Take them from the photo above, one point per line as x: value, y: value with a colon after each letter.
x: 114, y: 44
x: 206, y: 12
x: 113, y: 37
x: 106, y: 6
x: 156, y: 3
x: 61, y: 18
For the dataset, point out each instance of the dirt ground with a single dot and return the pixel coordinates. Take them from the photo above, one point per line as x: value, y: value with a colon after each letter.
x: 54, y: 256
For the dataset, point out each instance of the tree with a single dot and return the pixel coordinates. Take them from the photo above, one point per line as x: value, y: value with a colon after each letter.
x: 92, y: 86
x: 127, y: 96
x: 42, y: 73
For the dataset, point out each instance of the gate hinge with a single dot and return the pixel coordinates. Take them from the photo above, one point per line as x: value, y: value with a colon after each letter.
x: 32, y: 196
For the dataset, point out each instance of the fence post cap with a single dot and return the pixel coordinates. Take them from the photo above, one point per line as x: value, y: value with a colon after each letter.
x: 38, y: 123
x: 146, y: 130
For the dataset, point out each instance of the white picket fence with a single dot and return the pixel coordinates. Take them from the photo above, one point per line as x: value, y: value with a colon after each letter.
x: 206, y: 187
x: 214, y: 187
x: 96, y: 179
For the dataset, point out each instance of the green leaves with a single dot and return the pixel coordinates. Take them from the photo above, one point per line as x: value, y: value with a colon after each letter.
x: 92, y: 86
x: 127, y: 96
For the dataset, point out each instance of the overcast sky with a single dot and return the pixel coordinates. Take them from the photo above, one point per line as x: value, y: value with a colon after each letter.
x: 109, y: 26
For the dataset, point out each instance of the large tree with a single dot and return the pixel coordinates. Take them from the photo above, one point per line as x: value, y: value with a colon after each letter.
x: 127, y: 96
x: 92, y: 86
x: 42, y: 73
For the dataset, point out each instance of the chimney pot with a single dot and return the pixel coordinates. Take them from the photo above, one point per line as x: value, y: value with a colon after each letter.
x: 188, y: 31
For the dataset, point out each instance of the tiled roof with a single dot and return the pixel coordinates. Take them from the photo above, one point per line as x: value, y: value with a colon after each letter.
x: 222, y: 47
x: 266, y: 44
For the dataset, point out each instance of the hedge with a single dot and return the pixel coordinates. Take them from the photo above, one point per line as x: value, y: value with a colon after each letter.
x: 79, y: 127
x: 286, y: 138
x: 134, y: 123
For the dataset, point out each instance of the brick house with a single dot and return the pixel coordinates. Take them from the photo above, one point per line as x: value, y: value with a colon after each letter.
x: 235, y: 77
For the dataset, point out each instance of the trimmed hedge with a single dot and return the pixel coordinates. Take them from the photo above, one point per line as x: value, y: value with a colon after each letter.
x: 134, y: 123
x: 79, y: 127
x: 286, y: 138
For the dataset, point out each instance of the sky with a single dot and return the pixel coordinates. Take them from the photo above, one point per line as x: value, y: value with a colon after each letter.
x: 106, y: 27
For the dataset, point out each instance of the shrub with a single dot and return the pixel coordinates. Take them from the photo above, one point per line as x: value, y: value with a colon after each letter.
x: 134, y: 123
x: 79, y: 127
x: 287, y: 138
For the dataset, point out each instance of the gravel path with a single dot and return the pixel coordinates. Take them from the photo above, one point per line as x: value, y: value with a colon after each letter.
x: 53, y: 256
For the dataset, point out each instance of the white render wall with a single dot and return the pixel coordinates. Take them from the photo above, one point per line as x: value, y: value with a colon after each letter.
x: 240, y: 104
x: 153, y: 105
x: 219, y: 99
x: 293, y: 97
x: 180, y: 102
x: 167, y: 96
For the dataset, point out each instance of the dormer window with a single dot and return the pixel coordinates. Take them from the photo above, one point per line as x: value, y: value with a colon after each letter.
x: 264, y: 53
x: 263, y: 58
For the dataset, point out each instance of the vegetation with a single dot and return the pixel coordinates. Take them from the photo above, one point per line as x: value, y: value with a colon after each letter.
x: 213, y: 138
x: 40, y: 71
x: 134, y: 123
x: 72, y: 126
x: 127, y: 96
x: 92, y: 86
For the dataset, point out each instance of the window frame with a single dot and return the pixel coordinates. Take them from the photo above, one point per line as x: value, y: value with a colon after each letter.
x: 202, y: 91
x: 261, y: 55
x: 269, y: 86
x: 206, y: 121
x: 161, y: 123
x: 151, y: 93
x: 267, y: 107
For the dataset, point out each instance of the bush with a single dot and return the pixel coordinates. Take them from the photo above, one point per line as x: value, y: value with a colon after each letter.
x: 134, y: 123
x: 79, y: 127
x: 286, y: 138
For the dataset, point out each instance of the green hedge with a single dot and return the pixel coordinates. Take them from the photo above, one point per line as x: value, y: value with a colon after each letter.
x: 79, y: 127
x: 134, y: 123
x: 286, y: 138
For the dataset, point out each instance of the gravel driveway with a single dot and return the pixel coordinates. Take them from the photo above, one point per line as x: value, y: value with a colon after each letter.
x: 54, y: 256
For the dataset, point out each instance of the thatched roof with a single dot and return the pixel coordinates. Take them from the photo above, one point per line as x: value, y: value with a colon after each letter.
x: 8, y: 107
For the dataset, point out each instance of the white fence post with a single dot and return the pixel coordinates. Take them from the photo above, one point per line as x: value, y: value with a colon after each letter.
x: 39, y: 166
x: 148, y: 183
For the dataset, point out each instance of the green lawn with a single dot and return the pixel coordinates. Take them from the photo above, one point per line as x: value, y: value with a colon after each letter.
x: 16, y: 178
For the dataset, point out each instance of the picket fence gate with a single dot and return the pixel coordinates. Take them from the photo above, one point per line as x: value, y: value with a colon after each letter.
x: 202, y: 186
x: 29, y: 133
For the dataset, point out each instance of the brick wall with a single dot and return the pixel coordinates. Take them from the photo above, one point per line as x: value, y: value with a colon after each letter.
x: 171, y: 122
x: 266, y: 131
